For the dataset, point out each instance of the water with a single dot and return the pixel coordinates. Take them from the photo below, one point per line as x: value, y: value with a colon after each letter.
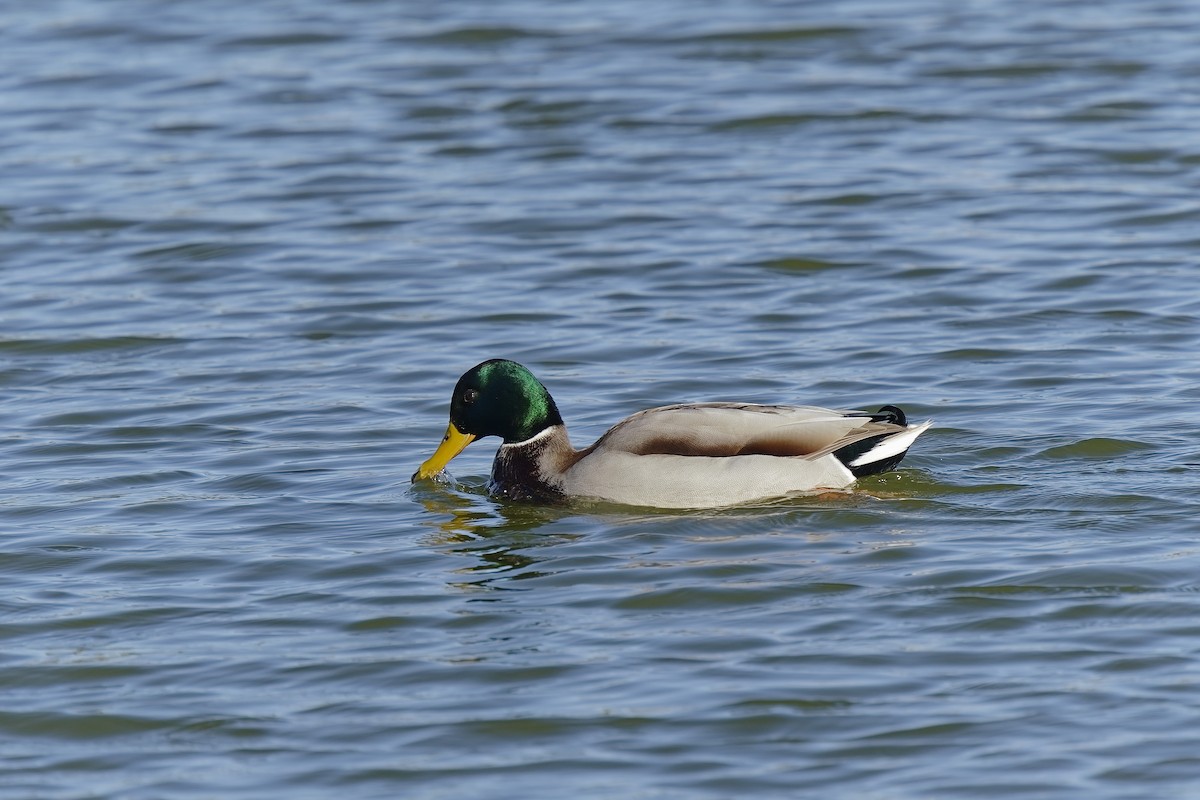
x: 247, y: 249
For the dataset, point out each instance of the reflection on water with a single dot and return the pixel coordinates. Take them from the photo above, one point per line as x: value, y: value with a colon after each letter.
x: 499, y: 534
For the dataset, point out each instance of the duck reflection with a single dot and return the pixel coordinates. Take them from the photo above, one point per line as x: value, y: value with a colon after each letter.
x: 501, y: 536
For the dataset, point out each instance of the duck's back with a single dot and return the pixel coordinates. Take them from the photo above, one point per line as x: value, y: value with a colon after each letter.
x: 715, y: 454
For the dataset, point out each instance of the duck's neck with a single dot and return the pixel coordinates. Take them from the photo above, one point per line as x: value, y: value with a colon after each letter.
x: 532, y: 469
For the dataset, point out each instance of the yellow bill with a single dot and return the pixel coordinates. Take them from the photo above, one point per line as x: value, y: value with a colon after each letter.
x: 452, y: 444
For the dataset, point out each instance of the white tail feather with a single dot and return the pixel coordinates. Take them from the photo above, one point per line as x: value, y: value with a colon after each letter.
x: 892, y: 446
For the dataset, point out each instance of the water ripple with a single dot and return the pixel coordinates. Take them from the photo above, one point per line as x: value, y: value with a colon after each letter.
x: 249, y: 250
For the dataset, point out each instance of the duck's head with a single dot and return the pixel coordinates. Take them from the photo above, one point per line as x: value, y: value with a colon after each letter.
x: 495, y: 398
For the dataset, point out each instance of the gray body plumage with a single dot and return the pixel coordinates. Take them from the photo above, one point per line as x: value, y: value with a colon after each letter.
x: 703, y: 455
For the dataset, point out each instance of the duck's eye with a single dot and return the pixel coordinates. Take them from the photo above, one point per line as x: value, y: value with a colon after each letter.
x: 470, y: 396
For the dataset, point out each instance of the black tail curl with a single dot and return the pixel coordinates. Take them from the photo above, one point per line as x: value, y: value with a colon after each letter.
x: 893, y: 414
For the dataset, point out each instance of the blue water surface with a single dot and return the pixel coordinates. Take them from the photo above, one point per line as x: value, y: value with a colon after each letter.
x: 246, y: 249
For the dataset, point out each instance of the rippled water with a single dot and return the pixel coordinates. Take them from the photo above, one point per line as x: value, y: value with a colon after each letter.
x: 247, y: 249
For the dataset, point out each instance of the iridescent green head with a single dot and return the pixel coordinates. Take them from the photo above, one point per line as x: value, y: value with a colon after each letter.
x: 502, y: 398
x: 495, y: 398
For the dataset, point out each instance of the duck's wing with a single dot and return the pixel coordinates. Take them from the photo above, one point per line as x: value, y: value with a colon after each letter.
x: 720, y: 430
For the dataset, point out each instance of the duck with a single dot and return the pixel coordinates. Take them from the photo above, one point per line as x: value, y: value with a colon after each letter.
x: 691, y: 455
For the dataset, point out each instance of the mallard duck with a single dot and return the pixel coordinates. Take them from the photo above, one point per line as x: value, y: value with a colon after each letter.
x: 697, y: 455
